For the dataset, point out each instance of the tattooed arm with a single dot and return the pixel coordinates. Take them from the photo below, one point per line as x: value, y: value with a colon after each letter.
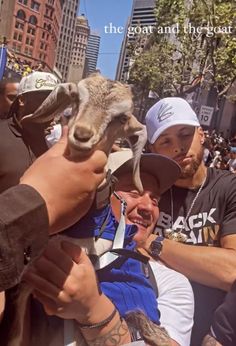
x: 114, y: 334
x: 64, y: 281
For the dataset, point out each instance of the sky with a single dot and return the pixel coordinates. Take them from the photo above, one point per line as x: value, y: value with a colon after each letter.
x: 100, y: 13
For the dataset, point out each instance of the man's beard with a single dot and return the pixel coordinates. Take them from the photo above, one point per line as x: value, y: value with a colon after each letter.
x: 191, y: 169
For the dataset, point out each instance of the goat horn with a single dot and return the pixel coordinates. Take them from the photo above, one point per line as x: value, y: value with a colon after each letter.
x: 56, y: 102
x: 137, y: 139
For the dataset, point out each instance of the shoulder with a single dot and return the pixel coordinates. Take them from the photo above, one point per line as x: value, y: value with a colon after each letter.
x: 222, y: 180
x: 215, y: 174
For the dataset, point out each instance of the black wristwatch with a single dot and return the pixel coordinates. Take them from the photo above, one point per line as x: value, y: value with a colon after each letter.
x: 156, y: 247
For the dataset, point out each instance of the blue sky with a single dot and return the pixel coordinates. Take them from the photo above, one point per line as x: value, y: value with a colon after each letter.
x: 101, y: 13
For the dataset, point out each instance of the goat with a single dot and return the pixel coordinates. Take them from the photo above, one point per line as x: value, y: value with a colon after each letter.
x: 101, y: 113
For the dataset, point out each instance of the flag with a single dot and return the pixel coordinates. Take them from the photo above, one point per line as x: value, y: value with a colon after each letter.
x: 3, y: 60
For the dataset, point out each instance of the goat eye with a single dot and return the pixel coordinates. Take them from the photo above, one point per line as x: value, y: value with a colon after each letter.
x: 123, y: 118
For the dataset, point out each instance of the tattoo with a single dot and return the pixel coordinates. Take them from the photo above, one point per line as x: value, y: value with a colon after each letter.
x: 113, y: 337
x: 151, y: 333
x: 209, y: 341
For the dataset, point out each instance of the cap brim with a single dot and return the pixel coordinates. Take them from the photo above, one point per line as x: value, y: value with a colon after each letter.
x: 172, y: 123
x: 165, y: 170
x: 15, y: 102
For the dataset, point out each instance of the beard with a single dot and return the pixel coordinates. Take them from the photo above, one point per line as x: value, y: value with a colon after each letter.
x: 189, y: 170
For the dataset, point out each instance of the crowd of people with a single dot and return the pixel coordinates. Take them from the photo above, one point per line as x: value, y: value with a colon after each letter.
x: 155, y: 267
x: 219, y: 151
x: 21, y: 67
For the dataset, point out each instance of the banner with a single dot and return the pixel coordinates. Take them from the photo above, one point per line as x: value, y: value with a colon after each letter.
x: 3, y: 60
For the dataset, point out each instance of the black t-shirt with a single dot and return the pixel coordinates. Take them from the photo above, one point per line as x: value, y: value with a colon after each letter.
x: 213, y: 216
x: 17, y: 151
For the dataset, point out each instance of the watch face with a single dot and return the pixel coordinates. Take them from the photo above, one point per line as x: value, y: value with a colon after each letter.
x: 155, y: 248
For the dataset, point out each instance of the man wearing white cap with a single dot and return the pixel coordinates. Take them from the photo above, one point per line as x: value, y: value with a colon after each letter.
x: 22, y: 140
x: 198, y: 215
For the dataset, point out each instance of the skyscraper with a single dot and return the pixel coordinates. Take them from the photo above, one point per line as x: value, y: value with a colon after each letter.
x: 66, y: 37
x: 78, y: 55
x: 142, y: 15
x: 92, y: 52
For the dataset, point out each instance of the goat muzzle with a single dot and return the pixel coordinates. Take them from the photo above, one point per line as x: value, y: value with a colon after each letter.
x: 83, y: 134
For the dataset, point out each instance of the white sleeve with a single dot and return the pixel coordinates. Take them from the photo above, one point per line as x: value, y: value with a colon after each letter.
x: 175, y: 302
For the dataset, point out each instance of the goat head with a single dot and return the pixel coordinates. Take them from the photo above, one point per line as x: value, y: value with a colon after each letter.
x: 101, y: 112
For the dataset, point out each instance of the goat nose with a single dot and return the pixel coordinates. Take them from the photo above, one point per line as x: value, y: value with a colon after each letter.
x: 83, y: 134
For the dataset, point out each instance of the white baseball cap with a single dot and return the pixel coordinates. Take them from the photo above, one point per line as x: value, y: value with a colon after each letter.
x: 165, y: 170
x: 32, y: 83
x: 168, y: 112
x: 37, y: 81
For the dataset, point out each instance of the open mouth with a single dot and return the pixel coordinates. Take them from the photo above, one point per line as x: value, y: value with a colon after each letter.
x: 141, y: 223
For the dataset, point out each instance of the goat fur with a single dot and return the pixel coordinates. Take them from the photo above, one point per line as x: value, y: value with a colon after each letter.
x: 101, y: 112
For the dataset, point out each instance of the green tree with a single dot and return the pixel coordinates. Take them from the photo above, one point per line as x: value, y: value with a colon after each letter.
x: 201, y: 47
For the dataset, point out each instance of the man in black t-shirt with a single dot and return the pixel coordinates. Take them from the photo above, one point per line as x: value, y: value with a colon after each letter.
x: 199, y: 212
x: 22, y: 141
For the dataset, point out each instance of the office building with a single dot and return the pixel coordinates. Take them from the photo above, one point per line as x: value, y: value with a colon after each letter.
x: 92, y: 52
x: 78, y: 55
x: 66, y: 37
x: 142, y: 15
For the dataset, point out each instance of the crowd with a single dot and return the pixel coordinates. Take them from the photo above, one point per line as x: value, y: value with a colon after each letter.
x: 219, y: 151
x: 154, y: 267
x: 21, y: 67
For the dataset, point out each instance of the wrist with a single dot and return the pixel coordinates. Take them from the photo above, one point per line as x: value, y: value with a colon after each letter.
x: 97, y: 313
x: 156, y: 247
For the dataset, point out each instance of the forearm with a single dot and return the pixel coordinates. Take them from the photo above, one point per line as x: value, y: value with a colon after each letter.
x: 211, y: 266
x: 111, y: 334
x: 23, y: 227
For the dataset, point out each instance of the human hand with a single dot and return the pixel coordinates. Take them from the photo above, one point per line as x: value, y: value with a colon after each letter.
x: 64, y: 281
x: 67, y: 186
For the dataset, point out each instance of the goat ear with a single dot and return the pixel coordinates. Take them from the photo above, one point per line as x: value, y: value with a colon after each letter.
x: 137, y: 139
x: 60, y: 98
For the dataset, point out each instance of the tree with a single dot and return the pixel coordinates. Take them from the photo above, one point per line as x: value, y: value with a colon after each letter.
x: 194, y: 41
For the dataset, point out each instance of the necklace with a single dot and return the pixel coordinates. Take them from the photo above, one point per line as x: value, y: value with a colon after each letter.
x: 178, y: 235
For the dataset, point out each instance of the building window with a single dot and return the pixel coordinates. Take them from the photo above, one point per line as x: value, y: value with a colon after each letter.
x: 21, y: 14
x: 17, y: 36
x: 35, y: 5
x: 23, y: 2
x: 31, y: 31
x: 33, y: 20
x: 28, y: 51
x: 19, y: 25
x: 29, y: 41
x: 16, y: 47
